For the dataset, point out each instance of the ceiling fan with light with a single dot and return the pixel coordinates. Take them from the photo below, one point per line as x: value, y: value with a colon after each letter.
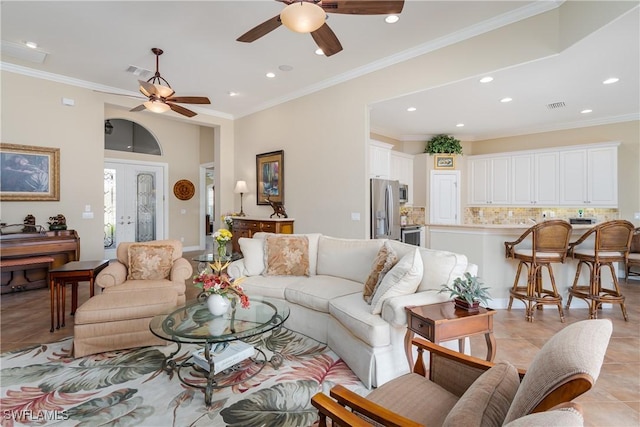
x: 309, y: 16
x: 160, y: 95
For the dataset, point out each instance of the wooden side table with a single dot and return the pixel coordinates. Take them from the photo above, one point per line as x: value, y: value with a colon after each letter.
x: 444, y: 322
x: 72, y: 272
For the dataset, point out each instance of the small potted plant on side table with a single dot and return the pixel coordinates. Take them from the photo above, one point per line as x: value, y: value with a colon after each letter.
x: 468, y: 292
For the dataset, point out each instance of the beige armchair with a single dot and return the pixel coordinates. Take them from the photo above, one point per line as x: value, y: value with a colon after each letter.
x: 146, y: 280
x: 147, y: 266
x: 466, y: 391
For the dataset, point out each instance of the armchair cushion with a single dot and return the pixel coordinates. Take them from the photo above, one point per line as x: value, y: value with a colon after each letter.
x: 149, y: 262
x: 486, y: 402
x: 566, y: 415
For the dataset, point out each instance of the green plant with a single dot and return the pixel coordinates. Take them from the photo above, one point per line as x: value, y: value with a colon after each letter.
x: 468, y: 288
x: 445, y: 144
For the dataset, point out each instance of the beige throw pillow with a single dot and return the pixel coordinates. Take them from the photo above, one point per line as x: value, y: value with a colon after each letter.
x: 253, y: 255
x: 286, y: 255
x: 402, y: 279
x: 487, y: 401
x: 384, y: 261
x: 149, y: 262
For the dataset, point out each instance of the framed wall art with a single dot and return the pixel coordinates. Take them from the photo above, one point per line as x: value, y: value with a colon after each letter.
x: 29, y: 173
x: 445, y: 162
x: 270, y: 177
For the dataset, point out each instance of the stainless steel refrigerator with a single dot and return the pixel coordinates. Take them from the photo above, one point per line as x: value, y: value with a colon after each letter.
x: 385, y: 209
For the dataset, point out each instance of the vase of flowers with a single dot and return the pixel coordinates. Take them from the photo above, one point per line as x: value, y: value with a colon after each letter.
x: 220, y: 289
x: 222, y: 236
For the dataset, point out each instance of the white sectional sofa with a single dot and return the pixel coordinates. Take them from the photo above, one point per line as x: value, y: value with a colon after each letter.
x: 327, y: 301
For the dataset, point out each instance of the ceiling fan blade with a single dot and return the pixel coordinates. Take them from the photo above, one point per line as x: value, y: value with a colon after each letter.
x: 189, y: 99
x: 260, y: 30
x: 119, y: 94
x: 326, y: 40
x: 147, y: 89
x: 363, y: 7
x: 181, y: 110
x: 138, y: 108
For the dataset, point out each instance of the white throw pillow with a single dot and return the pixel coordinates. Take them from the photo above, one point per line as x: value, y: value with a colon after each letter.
x: 402, y: 279
x: 253, y: 253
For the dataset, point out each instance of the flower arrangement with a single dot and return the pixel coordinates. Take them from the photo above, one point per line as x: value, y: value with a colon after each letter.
x: 228, y: 220
x: 222, y: 236
x: 213, y: 281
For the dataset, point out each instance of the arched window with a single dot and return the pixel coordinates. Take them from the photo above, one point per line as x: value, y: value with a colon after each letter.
x: 125, y: 135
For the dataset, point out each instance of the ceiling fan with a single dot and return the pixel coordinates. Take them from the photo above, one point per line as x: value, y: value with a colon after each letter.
x: 160, y: 94
x: 308, y: 16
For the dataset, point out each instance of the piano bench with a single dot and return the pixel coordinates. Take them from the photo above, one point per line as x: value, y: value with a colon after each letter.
x: 18, y: 282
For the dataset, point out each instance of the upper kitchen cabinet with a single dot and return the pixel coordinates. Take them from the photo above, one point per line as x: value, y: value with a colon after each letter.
x: 489, y: 180
x: 402, y: 170
x: 379, y: 159
x: 535, y: 179
x: 589, y: 176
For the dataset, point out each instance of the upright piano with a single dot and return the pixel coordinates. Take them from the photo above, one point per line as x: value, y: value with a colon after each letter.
x: 61, y: 245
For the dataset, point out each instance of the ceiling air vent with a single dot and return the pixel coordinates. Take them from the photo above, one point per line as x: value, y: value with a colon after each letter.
x: 555, y: 105
x: 137, y: 71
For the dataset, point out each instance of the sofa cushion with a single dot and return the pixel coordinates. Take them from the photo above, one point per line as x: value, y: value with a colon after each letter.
x: 286, y: 255
x: 268, y: 286
x: 313, y: 249
x: 487, y: 400
x: 149, y: 262
x: 315, y: 292
x: 385, y: 259
x: 402, y: 279
x: 355, y: 315
x: 253, y: 255
x: 347, y: 258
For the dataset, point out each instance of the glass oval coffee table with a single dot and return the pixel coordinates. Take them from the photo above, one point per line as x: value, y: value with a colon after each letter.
x: 194, y: 324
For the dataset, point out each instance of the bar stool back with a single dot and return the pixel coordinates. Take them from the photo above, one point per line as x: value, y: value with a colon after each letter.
x: 611, y: 244
x: 549, y: 244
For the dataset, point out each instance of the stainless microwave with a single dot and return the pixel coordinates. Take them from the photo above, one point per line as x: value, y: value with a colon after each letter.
x: 403, y: 192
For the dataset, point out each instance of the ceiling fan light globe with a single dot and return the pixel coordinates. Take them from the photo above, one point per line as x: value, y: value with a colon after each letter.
x: 164, y: 91
x: 303, y: 17
x: 156, y: 106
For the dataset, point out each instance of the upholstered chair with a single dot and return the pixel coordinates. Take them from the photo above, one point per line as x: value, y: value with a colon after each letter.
x: 466, y: 391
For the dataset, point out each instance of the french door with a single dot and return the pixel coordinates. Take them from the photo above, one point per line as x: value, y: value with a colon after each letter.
x: 133, y: 204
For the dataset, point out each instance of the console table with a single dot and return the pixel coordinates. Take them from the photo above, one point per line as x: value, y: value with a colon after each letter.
x: 248, y: 226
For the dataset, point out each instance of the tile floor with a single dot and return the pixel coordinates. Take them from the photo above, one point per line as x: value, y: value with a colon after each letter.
x: 614, y: 401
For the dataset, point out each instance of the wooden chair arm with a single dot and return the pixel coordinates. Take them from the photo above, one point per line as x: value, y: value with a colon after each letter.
x: 571, y: 247
x: 384, y: 416
x: 339, y: 415
x: 510, y: 246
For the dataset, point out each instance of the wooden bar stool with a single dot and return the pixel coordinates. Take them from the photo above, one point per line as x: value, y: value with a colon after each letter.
x: 633, y: 259
x: 611, y: 244
x: 549, y: 242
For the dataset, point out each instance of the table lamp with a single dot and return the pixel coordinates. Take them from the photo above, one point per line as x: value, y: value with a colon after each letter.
x: 241, y: 187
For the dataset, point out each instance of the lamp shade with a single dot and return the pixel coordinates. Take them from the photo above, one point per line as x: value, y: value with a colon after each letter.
x: 303, y: 17
x: 156, y: 106
x: 241, y: 187
x: 163, y: 91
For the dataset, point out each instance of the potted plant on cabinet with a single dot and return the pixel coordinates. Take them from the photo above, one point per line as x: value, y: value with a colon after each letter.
x: 443, y: 144
x: 468, y: 292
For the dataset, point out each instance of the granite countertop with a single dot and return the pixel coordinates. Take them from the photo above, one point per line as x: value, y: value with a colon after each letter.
x: 502, y: 226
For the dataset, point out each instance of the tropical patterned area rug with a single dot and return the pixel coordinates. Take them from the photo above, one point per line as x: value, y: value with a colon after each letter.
x: 44, y: 385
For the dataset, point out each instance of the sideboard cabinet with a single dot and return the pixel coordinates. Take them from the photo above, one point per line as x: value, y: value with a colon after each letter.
x: 247, y: 227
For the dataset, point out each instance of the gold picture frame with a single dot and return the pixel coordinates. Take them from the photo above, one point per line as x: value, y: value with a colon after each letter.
x: 29, y: 173
x: 444, y: 162
x: 270, y: 177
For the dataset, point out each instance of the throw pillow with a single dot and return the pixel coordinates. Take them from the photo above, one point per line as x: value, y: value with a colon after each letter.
x: 385, y: 259
x: 253, y: 255
x: 486, y: 402
x: 149, y: 262
x: 402, y: 279
x: 286, y: 255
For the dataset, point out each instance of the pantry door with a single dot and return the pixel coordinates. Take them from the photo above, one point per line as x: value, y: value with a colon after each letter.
x: 444, y: 207
x: 134, y: 205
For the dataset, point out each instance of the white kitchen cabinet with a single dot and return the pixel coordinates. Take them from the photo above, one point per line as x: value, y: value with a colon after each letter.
x: 402, y: 170
x: 589, y: 177
x: 379, y: 159
x: 535, y: 179
x: 489, y: 180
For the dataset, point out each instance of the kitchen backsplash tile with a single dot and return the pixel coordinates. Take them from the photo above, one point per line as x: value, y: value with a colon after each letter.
x: 517, y: 215
x: 415, y: 214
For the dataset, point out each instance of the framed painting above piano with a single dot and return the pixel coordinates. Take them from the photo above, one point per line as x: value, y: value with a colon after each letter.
x: 29, y: 173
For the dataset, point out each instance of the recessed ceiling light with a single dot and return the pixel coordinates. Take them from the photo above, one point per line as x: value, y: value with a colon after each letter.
x: 411, y: 109
x: 610, y: 80
x: 32, y: 45
x: 319, y: 52
x: 507, y: 99
x: 460, y: 125
x: 587, y: 111
x: 391, y: 19
x: 271, y: 75
x: 486, y: 79
x: 285, y: 68
x: 232, y: 93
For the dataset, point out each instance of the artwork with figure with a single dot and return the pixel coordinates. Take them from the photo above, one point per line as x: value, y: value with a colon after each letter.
x: 29, y: 173
x: 24, y: 173
x: 270, y: 177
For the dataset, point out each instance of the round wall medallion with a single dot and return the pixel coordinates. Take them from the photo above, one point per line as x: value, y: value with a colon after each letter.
x: 184, y: 189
